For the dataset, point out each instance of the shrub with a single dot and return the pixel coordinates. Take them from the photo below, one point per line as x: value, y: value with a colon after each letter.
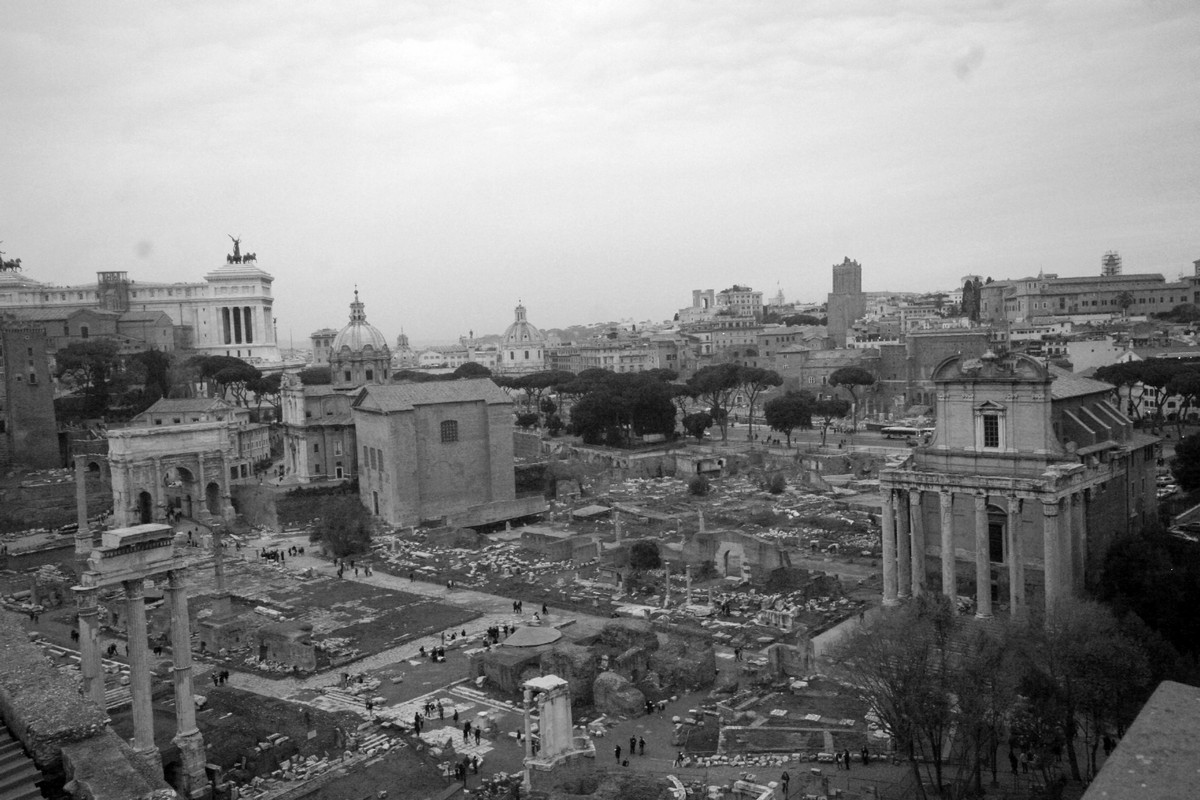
x: 699, y: 486
x: 776, y: 483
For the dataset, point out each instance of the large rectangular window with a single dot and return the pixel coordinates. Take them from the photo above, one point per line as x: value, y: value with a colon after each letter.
x: 991, y: 430
x: 450, y: 431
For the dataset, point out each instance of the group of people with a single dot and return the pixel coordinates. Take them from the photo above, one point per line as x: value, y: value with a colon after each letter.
x: 460, y: 768
x: 843, y: 759
x: 437, y: 655
x: 341, y: 566
x: 220, y: 678
x: 637, y: 745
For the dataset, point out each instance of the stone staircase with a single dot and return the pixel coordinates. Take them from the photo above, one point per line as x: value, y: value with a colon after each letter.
x: 18, y: 775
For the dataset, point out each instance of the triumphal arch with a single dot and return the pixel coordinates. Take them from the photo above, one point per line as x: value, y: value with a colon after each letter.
x: 125, y: 559
x: 171, y: 471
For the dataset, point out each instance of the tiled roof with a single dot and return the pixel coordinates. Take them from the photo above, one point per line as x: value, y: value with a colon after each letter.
x: 1067, y: 384
x: 404, y: 396
x: 186, y: 404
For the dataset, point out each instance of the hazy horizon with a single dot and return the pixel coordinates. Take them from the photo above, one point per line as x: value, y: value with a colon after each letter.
x: 595, y: 161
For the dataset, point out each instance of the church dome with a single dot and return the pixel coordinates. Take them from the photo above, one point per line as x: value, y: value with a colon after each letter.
x: 359, y: 334
x: 521, y: 332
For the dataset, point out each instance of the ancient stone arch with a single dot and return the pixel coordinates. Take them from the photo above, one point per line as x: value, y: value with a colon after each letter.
x: 180, y: 470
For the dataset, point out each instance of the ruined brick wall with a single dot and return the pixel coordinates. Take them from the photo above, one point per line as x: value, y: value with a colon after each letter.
x: 42, y: 707
x: 527, y: 444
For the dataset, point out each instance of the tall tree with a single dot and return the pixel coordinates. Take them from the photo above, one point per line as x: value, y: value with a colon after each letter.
x: 1186, y: 385
x: 755, y: 381
x: 157, y: 366
x: 472, y: 370
x: 788, y: 412
x: 828, y: 411
x: 696, y: 424
x: 852, y: 379
x: 1082, y: 675
x: 717, y: 385
x: 90, y: 366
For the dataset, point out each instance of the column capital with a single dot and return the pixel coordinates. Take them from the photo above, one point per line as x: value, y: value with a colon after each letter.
x: 177, y: 578
x: 1050, y: 507
x: 135, y: 589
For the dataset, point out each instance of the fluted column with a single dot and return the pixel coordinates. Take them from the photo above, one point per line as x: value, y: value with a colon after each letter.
x: 949, y: 571
x: 1016, y: 560
x: 903, y: 547
x: 983, y: 566
x: 1051, y: 556
x: 916, y: 523
x: 888, y: 524
x: 89, y: 644
x: 139, y: 673
x: 187, y: 736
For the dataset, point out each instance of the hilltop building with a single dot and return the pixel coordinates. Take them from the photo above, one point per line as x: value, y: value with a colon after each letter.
x: 522, y: 348
x: 1030, y: 476
x: 846, y: 304
x: 318, y: 429
x: 229, y: 313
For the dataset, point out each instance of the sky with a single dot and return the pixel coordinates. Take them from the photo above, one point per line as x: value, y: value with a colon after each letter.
x: 595, y: 160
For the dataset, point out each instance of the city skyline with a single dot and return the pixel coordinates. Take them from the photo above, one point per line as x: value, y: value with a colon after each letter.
x: 595, y: 163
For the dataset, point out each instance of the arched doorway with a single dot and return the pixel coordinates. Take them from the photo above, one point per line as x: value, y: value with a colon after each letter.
x: 145, y: 508
x: 212, y: 499
x: 181, y: 490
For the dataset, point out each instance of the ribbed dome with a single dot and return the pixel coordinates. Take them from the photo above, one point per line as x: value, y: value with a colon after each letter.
x: 521, y: 331
x: 359, y: 334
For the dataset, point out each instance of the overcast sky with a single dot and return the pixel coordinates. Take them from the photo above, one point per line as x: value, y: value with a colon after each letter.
x: 597, y: 160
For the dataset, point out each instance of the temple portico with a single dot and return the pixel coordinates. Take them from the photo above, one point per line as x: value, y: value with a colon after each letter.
x: 1030, y: 475
x: 1000, y: 533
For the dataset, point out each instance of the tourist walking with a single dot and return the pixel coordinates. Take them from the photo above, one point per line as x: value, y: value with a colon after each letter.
x: 632, y: 745
x: 617, y: 753
x: 641, y: 746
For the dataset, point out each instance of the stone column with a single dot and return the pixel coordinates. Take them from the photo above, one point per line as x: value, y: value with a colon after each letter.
x: 617, y: 526
x: 687, y: 571
x: 83, y: 533
x: 226, y: 495
x: 903, y: 547
x: 983, y: 565
x: 139, y: 675
x: 1016, y: 560
x: 949, y: 571
x: 887, y: 522
x: 1051, y: 556
x: 89, y: 644
x: 160, y: 492
x: 916, y: 523
x: 200, y: 503
x: 528, y: 736
x: 187, y: 736
x: 1078, y: 534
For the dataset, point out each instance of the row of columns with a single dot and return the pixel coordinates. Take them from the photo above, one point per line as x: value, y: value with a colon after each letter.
x: 1063, y: 548
x: 237, y: 324
x: 187, y: 737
